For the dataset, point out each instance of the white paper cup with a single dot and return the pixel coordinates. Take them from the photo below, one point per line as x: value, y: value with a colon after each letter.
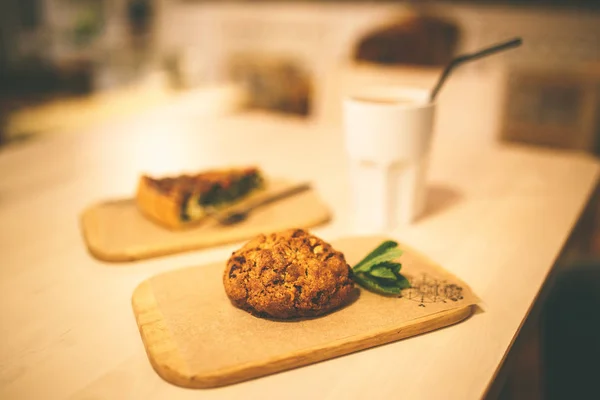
x: 388, y: 136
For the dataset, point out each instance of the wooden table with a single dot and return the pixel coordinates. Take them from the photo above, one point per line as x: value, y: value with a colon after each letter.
x: 498, y: 217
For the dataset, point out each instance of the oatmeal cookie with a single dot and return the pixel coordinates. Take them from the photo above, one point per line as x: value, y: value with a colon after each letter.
x: 288, y: 274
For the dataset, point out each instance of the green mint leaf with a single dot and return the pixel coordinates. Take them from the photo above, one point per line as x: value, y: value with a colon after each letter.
x: 383, y: 271
x: 378, y: 272
x: 389, y: 255
x: 396, y: 267
x: 375, y: 286
x: 402, y: 283
x: 379, y: 250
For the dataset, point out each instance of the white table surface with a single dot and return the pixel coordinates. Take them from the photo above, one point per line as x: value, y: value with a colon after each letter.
x: 498, y: 218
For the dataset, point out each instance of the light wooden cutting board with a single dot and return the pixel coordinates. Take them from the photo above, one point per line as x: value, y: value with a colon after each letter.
x: 117, y: 231
x: 194, y: 337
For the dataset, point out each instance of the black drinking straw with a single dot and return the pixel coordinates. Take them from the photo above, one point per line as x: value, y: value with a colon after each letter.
x: 470, y: 57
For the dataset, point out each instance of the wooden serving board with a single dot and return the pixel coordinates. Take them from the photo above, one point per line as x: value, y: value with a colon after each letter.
x: 194, y: 337
x: 117, y: 231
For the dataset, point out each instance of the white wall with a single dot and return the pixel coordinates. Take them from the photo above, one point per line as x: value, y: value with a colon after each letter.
x: 555, y: 36
x: 323, y: 36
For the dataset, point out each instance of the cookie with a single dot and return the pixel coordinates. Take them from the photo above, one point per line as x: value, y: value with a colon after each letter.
x: 288, y: 274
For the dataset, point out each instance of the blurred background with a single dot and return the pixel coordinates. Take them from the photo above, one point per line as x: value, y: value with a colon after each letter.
x: 66, y: 65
